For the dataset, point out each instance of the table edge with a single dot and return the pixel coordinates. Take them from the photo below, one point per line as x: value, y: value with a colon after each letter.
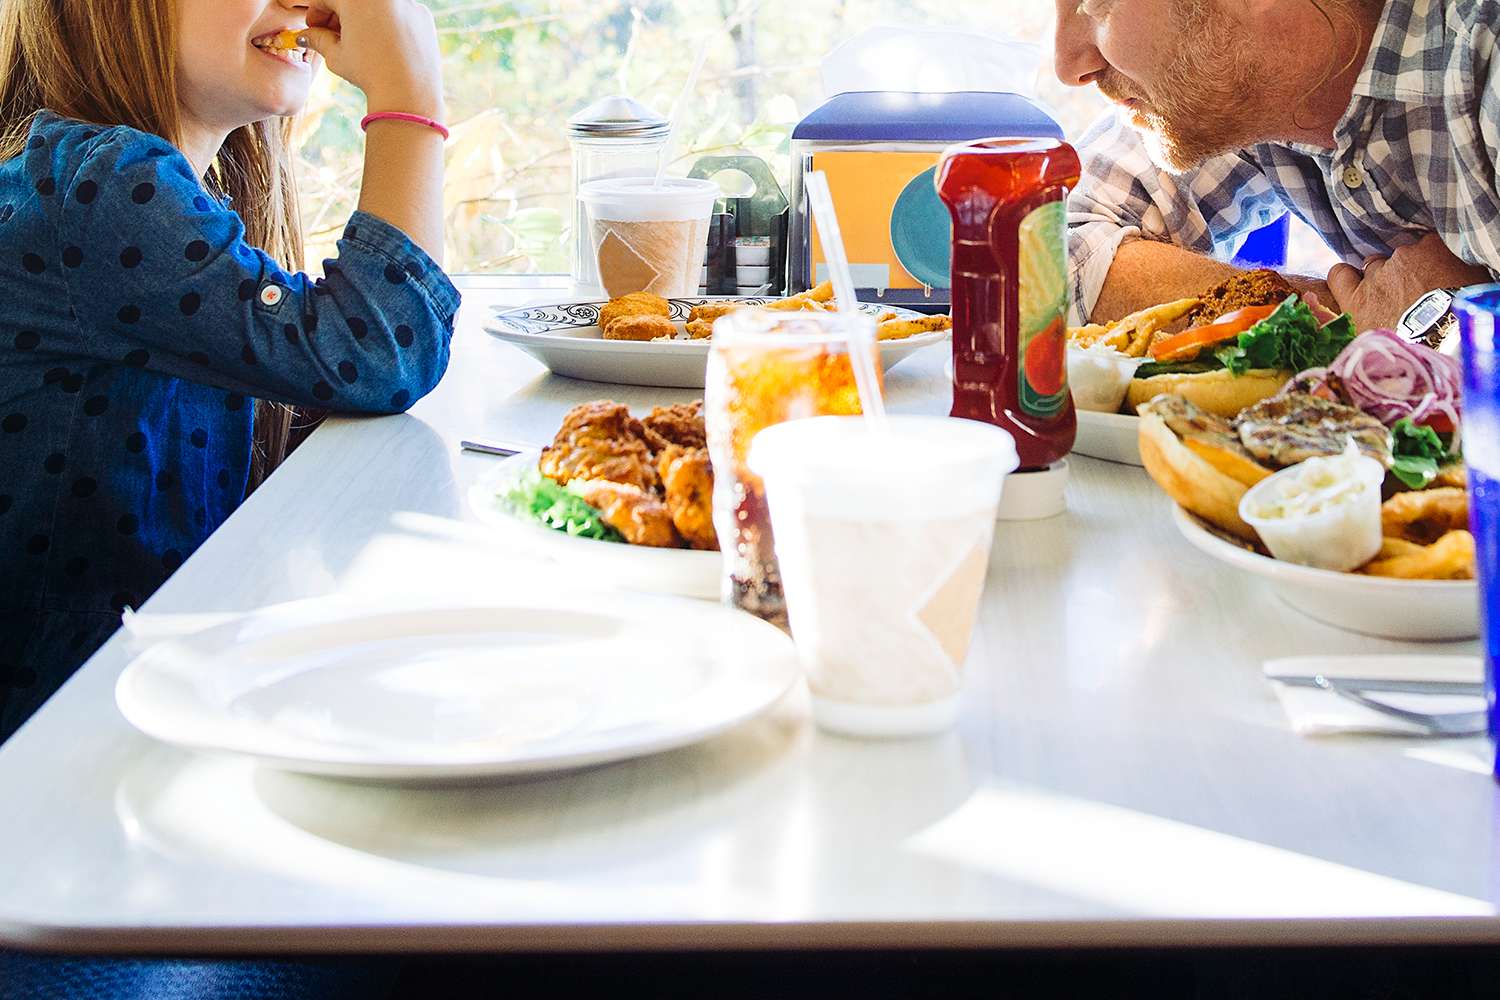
x: 608, y: 938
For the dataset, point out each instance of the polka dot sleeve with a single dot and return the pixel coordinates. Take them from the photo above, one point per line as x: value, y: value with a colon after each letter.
x: 161, y: 278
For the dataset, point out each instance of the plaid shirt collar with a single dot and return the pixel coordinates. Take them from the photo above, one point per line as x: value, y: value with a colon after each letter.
x: 1407, y: 59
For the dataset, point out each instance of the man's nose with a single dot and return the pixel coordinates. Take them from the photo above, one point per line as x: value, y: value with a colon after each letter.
x: 1076, y: 59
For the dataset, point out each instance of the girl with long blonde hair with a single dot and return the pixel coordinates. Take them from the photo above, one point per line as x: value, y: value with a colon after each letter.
x: 155, y: 327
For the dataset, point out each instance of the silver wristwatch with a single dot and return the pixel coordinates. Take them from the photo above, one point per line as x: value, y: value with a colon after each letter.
x: 1430, y: 321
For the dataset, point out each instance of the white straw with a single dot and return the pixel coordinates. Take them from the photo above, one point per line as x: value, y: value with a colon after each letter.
x: 678, y: 107
x: 861, y: 343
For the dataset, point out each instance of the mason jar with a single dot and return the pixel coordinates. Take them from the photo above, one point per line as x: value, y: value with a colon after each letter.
x: 614, y: 137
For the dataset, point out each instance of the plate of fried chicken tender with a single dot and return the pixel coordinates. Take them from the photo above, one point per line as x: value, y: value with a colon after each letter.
x: 628, y: 500
x: 644, y: 339
x: 1388, y: 405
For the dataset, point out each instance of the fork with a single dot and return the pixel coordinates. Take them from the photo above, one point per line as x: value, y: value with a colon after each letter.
x: 1444, y: 724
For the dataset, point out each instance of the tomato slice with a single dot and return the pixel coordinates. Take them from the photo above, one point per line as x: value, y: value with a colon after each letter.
x: 1189, y: 344
x: 1439, y: 423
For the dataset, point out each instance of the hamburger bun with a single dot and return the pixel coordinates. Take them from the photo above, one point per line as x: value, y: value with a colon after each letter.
x: 1191, y: 481
x: 1217, y: 392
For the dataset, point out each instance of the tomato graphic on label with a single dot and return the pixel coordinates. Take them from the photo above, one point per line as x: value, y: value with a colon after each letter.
x: 1046, y: 359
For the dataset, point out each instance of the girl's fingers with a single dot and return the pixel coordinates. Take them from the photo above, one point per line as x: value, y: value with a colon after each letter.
x: 321, y: 40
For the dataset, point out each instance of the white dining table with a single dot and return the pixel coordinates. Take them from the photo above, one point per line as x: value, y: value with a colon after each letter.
x: 1121, y: 773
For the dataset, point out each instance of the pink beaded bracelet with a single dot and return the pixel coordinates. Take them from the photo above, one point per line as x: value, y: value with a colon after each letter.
x: 402, y: 116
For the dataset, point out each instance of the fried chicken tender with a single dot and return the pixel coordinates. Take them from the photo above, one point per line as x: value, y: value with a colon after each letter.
x: 600, y: 440
x: 688, y: 478
x: 641, y: 327
x: 1424, y: 516
x: 681, y: 424
x: 900, y: 329
x: 634, y: 304
x: 636, y: 514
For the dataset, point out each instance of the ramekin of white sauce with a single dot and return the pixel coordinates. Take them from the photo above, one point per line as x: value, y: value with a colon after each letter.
x: 1323, y: 512
x: 1099, y: 376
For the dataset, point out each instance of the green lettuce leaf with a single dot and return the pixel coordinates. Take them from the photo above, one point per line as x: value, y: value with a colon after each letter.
x: 534, y: 497
x: 1290, y: 339
x: 1417, y: 454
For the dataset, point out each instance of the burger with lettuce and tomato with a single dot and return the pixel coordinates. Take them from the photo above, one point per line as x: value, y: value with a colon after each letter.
x: 1241, y: 357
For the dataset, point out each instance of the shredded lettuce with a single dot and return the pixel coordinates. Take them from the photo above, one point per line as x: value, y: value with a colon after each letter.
x: 1417, y: 454
x: 1291, y: 338
x: 537, y: 498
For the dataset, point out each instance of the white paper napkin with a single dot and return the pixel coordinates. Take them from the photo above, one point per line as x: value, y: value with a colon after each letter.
x: 1316, y: 712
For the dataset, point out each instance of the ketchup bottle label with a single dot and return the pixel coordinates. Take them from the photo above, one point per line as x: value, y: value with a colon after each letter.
x: 1043, y: 299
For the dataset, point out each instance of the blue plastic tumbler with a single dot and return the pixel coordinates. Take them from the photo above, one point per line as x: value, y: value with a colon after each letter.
x: 1478, y: 310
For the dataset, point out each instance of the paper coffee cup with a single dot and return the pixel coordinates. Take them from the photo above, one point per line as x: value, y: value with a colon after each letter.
x: 649, y: 239
x: 883, y: 538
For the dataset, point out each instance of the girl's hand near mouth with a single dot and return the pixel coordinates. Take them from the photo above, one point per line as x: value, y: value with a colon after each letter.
x: 389, y: 50
x: 386, y: 48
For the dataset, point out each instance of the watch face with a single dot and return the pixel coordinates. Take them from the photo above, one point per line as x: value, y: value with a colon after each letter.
x: 1427, y: 313
x: 1421, y: 322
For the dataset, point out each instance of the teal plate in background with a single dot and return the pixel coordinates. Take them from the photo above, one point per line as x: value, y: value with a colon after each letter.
x: 922, y: 231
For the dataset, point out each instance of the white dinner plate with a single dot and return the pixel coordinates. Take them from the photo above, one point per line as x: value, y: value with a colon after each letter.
x: 566, y: 338
x: 1390, y: 609
x: 684, y: 572
x: 1115, y: 437
x: 499, y: 689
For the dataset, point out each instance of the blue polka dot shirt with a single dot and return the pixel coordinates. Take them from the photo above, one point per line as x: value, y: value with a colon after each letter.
x: 138, y: 329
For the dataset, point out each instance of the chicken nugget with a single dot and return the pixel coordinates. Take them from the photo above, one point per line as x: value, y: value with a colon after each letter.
x: 641, y: 327
x: 700, y: 329
x: 1424, y: 516
x: 634, y: 304
x: 640, y: 517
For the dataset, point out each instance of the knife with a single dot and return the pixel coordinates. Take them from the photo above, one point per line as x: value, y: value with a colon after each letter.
x: 1321, y: 681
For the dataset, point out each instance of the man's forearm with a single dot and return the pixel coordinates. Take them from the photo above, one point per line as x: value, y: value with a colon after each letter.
x: 1145, y: 273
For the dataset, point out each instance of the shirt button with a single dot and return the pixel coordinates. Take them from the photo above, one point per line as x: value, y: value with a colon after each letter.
x: 271, y: 295
x: 1353, y: 179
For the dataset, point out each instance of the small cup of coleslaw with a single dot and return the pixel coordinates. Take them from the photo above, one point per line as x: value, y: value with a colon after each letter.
x: 1324, y: 512
x: 1099, y: 376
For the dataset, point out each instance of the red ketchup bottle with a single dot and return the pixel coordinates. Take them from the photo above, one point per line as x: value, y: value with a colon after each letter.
x: 1010, y: 289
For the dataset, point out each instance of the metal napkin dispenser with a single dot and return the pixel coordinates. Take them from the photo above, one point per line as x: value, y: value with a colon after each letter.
x: 880, y: 151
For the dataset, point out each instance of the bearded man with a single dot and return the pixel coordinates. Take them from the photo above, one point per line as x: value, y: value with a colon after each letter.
x: 1375, y: 121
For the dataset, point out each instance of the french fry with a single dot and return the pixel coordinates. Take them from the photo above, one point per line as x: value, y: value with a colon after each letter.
x: 900, y: 329
x: 1449, y: 558
x: 822, y: 292
x: 1140, y: 327
x: 710, y: 311
x: 1085, y: 336
x: 1397, y: 548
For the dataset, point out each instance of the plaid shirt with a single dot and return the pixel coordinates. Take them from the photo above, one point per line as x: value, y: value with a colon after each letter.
x: 1415, y: 153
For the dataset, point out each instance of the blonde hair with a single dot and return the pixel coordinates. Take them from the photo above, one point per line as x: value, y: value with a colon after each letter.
x: 113, y: 62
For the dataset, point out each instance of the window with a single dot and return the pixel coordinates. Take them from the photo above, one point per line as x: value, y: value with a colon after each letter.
x: 516, y: 70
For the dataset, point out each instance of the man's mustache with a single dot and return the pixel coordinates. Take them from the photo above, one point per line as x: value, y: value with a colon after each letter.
x: 1112, y: 85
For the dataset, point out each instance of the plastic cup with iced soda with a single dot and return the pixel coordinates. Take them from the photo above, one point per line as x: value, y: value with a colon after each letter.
x: 647, y: 238
x: 883, y: 539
